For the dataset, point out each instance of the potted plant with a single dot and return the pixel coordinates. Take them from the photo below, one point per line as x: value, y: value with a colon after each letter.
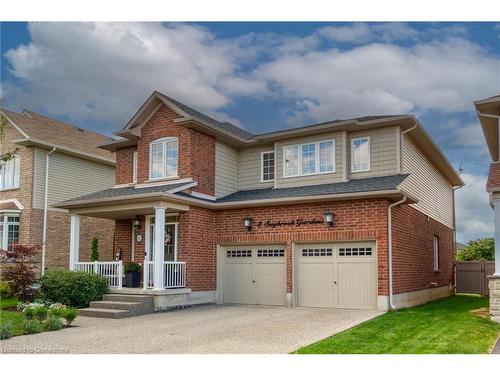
x: 132, y: 275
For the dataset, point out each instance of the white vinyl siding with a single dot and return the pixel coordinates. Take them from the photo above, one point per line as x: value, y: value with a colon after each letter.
x: 9, y: 174
x: 360, y: 154
x: 64, y: 183
x: 163, y: 158
x: 249, y: 168
x: 309, y: 158
x: 434, y: 193
x: 226, y: 169
x: 267, y: 166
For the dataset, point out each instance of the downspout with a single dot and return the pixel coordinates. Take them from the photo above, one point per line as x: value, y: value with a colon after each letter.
x: 389, y: 248
x: 45, y: 204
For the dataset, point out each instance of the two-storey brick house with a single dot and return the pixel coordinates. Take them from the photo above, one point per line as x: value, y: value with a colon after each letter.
x: 355, y: 213
x: 53, y: 161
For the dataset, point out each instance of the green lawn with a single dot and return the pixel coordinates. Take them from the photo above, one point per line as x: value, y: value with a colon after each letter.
x: 8, y: 313
x: 448, y: 325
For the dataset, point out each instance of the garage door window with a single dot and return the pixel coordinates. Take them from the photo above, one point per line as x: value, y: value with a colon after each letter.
x: 317, y: 252
x: 354, y: 251
x: 239, y: 254
x: 270, y: 253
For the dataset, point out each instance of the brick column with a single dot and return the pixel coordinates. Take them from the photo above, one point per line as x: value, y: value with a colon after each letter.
x: 494, y: 285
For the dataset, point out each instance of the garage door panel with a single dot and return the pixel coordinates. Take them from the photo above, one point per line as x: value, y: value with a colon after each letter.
x: 316, y: 287
x: 270, y: 283
x: 238, y: 283
x: 356, y: 286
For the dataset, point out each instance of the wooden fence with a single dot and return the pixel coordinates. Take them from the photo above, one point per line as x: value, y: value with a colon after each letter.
x: 472, y: 277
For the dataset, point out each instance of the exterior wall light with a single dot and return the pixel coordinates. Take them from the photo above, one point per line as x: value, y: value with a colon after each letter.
x: 136, y: 223
x: 329, y: 218
x: 247, y: 222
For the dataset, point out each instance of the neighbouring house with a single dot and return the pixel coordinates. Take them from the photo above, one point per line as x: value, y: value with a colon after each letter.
x: 53, y: 161
x: 488, y: 111
x: 354, y: 213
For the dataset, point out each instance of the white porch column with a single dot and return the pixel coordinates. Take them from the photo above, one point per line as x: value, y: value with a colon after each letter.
x: 74, y: 241
x: 496, y: 208
x: 159, y: 248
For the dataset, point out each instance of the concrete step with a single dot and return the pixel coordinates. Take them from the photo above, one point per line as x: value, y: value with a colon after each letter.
x: 117, y: 305
x: 127, y: 298
x: 105, y: 313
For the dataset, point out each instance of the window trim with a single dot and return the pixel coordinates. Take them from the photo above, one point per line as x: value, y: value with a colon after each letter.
x: 436, y: 253
x: 317, y: 143
x: 5, y: 235
x: 135, y: 159
x: 369, y: 154
x: 162, y: 140
x: 17, y: 173
x: 262, y: 166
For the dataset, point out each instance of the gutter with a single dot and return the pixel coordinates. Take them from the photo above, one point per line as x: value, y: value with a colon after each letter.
x: 45, y: 204
x: 389, y: 248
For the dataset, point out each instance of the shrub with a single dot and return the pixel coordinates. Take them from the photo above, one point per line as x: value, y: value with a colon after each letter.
x: 29, y: 313
x: 20, y: 275
x: 32, y: 326
x: 94, y: 249
x: 40, y: 312
x: 5, y: 330
x: 57, y: 309
x: 71, y: 288
x: 132, y: 267
x: 5, y: 291
x: 70, y: 314
x: 53, y: 323
x: 479, y: 249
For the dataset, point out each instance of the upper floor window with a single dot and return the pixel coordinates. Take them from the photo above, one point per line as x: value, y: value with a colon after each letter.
x: 163, y: 158
x: 9, y: 175
x: 436, y: 253
x: 360, y: 154
x: 310, y: 158
x: 135, y: 156
x: 9, y: 231
x: 267, y: 162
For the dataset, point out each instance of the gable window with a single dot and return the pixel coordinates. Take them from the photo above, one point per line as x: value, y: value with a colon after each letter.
x: 360, y: 154
x: 9, y: 231
x: 163, y: 158
x: 436, y: 253
x: 9, y: 174
x: 267, y: 163
x: 309, y: 158
x: 135, y: 156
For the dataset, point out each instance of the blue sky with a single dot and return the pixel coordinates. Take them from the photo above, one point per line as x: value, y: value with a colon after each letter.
x: 266, y: 76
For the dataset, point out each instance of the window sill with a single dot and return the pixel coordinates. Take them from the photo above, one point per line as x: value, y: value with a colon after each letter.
x: 311, y: 174
x: 11, y: 189
x: 150, y: 181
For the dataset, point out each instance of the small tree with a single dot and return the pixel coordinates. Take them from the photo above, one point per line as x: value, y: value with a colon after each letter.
x: 94, y: 256
x: 20, y: 275
x: 480, y: 249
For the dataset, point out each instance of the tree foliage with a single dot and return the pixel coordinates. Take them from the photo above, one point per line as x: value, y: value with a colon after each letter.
x: 479, y: 249
x: 94, y: 255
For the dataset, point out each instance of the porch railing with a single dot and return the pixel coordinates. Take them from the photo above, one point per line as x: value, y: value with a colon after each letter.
x: 111, y: 271
x: 174, y: 274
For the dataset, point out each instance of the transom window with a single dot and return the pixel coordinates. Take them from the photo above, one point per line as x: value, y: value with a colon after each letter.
x: 9, y: 231
x: 163, y: 159
x: 267, y: 166
x: 9, y: 174
x: 310, y: 158
x: 238, y: 253
x: 360, y: 154
x: 355, y: 251
x: 317, y: 252
x: 262, y: 253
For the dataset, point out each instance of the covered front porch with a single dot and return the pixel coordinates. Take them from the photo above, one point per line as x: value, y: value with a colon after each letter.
x: 146, y: 232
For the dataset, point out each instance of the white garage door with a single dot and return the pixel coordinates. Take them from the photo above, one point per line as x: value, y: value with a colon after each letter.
x: 254, y: 275
x: 338, y: 275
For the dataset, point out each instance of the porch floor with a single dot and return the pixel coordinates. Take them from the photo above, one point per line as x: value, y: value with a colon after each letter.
x: 149, y: 291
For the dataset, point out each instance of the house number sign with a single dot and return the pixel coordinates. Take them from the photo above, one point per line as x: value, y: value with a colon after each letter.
x: 289, y: 223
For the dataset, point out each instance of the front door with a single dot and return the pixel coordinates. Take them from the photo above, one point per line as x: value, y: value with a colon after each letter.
x: 170, y: 239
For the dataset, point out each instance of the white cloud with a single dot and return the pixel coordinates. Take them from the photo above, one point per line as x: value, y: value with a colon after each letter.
x: 474, y: 215
x: 469, y: 135
x: 363, y: 32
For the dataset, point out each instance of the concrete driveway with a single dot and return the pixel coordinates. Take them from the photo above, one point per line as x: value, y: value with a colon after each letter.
x: 203, y: 329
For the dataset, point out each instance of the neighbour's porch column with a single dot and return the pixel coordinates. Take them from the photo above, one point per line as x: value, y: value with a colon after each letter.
x: 159, y: 248
x: 496, y: 209
x: 74, y: 241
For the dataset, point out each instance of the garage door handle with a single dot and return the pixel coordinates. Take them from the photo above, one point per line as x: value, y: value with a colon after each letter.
x: 335, y: 282
x: 253, y: 281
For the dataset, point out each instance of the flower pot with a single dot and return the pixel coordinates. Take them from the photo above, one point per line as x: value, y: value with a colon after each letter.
x: 133, y: 279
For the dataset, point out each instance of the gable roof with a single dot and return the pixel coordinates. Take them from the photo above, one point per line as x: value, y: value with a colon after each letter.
x: 47, y: 132
x: 488, y: 111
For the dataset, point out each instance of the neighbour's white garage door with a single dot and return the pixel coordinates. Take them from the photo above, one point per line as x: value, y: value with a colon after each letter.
x: 338, y: 275
x: 254, y: 275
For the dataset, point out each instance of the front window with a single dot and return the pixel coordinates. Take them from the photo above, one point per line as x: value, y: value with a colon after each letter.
x: 9, y: 231
x: 436, y: 253
x: 134, y: 167
x: 163, y: 158
x: 268, y: 166
x: 9, y: 174
x: 360, y: 154
x: 308, y: 159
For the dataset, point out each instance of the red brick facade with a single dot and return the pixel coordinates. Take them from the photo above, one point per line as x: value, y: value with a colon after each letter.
x: 493, y: 176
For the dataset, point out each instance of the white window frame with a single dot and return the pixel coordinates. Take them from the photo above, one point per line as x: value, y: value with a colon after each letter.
x: 317, y: 172
x: 369, y: 154
x: 13, y: 166
x: 150, y: 229
x: 262, y: 165
x: 5, y: 235
x: 163, y: 141
x: 436, y: 249
x: 135, y: 157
